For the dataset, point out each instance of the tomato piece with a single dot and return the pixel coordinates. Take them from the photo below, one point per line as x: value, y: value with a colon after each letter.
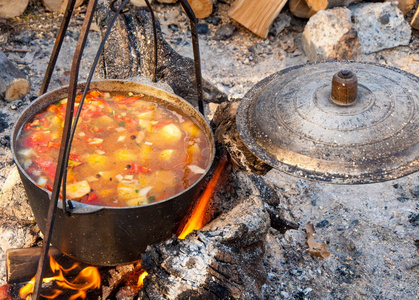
x: 96, y: 94
x: 163, y: 123
x: 91, y: 197
x: 37, y: 138
x: 48, y: 165
x: 137, y: 169
x: 125, y: 100
x: 75, y: 157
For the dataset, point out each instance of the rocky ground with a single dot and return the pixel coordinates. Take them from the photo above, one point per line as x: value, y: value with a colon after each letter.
x: 370, y: 230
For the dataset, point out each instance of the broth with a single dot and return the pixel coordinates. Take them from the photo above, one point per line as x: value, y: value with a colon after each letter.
x: 127, y: 150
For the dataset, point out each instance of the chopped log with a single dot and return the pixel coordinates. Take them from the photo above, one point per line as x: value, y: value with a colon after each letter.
x: 10, y: 11
x: 21, y: 264
x: 256, y: 15
x: 13, y: 83
x: 415, y: 20
x: 306, y: 8
x: 59, y: 5
x: 202, y: 8
x: 131, y: 44
x: 405, y: 5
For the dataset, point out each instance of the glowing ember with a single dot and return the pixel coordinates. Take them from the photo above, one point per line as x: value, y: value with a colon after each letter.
x: 88, y: 278
x: 196, y: 221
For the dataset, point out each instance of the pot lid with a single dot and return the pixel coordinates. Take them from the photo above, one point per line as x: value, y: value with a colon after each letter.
x: 366, y: 131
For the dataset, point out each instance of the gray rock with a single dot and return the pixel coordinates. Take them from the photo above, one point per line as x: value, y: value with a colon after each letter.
x: 224, y: 32
x: 329, y: 34
x: 380, y: 26
x: 342, y: 33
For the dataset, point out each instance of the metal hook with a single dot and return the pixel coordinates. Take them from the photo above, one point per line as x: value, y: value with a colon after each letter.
x: 115, y: 9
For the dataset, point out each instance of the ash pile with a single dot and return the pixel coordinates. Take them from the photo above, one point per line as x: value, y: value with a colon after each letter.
x: 261, y: 243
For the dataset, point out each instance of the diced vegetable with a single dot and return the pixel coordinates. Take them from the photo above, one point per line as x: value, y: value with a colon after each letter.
x: 95, y: 141
x: 148, y: 115
x: 166, y: 155
x: 78, y: 189
x: 127, y: 189
x: 196, y: 169
x: 97, y: 161
x: 42, y: 181
x: 125, y: 155
x: 170, y: 133
x: 191, y: 128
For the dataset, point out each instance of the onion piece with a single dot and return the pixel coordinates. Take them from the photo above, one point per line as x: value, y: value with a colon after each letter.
x: 144, y: 191
x: 120, y: 129
x: 119, y: 177
x: 100, y: 152
x: 121, y: 138
x: 196, y: 169
x: 42, y: 181
x: 25, y: 152
x: 96, y: 141
x: 91, y: 178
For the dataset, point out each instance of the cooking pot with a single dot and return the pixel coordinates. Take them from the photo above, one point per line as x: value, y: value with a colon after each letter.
x: 102, y: 235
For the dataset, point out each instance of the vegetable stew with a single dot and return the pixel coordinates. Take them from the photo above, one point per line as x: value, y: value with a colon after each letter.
x: 127, y: 150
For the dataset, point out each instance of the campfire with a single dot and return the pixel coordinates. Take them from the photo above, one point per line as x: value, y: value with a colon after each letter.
x: 242, y: 240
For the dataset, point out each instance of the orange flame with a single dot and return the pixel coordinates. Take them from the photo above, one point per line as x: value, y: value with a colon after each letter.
x: 88, y: 278
x: 196, y: 221
x: 143, y: 275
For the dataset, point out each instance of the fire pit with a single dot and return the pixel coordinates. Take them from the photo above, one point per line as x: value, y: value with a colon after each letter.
x: 278, y: 264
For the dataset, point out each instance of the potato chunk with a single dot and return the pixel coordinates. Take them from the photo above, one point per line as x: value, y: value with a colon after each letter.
x: 78, y: 189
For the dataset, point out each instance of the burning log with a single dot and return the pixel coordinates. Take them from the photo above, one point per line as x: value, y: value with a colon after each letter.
x: 256, y: 15
x: 13, y: 83
x: 224, y: 260
x: 21, y: 264
x: 131, y: 44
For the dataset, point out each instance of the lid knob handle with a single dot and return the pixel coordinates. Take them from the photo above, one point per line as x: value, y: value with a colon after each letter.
x: 344, y: 88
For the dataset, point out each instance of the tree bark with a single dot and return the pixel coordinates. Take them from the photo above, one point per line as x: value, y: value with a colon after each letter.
x: 13, y: 83
x: 129, y: 53
x: 256, y: 15
x: 11, y: 11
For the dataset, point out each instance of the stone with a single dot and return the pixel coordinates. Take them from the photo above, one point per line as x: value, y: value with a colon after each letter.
x: 224, y: 32
x: 380, y: 26
x: 329, y: 34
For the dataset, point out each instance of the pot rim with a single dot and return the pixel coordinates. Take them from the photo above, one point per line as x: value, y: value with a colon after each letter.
x: 83, y: 208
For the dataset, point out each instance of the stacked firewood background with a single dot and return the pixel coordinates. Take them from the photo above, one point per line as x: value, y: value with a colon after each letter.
x: 255, y: 15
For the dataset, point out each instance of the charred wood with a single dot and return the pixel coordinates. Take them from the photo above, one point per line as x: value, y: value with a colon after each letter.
x: 226, y: 134
x: 21, y: 264
x: 129, y: 53
x: 224, y: 260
